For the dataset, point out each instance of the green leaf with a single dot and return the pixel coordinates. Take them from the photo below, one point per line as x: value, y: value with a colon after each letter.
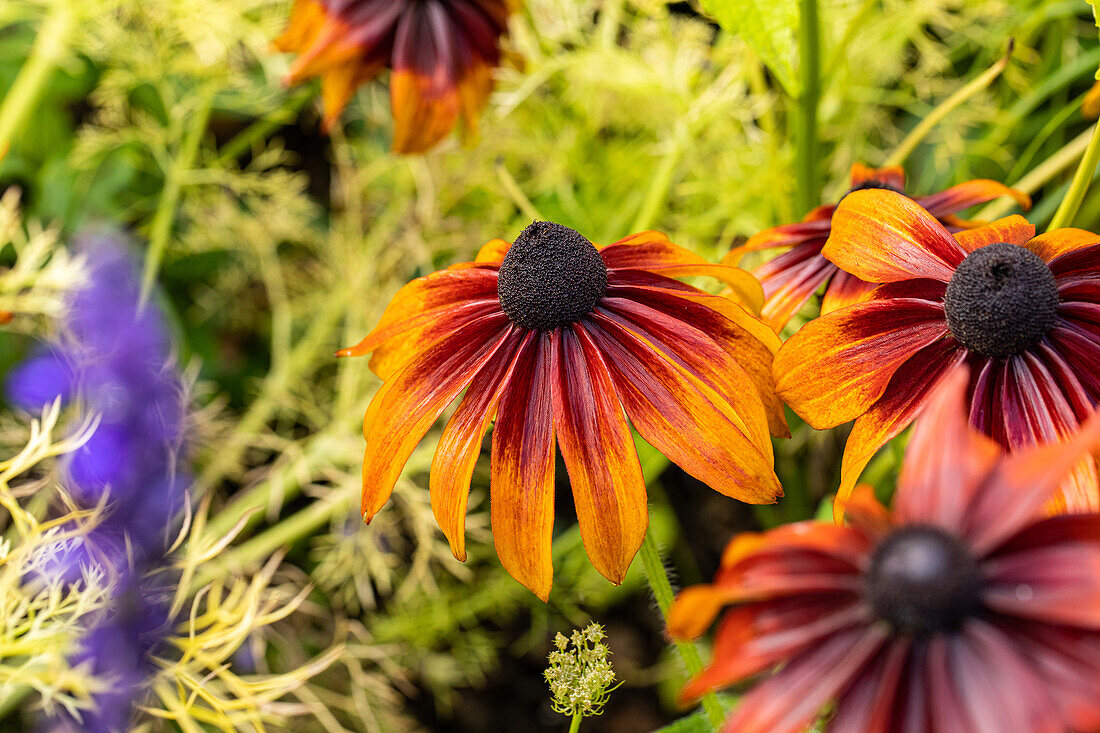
x: 768, y: 26
x: 696, y: 723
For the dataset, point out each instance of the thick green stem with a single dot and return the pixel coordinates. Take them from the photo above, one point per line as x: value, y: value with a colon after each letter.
x: 50, y: 47
x: 1081, y: 179
x: 165, y: 214
x: 575, y: 723
x: 662, y: 590
x: 809, y: 48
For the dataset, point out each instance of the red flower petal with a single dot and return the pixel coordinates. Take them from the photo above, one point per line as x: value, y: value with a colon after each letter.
x: 786, y: 235
x: 1077, y: 262
x: 595, y: 440
x: 845, y: 290
x: 868, y: 705
x: 790, y: 280
x: 407, y: 404
x: 460, y: 444
x: 1068, y: 660
x: 882, y: 236
x: 1053, y: 244
x: 838, y: 365
x: 1056, y: 584
x: 970, y: 193
x: 521, y: 506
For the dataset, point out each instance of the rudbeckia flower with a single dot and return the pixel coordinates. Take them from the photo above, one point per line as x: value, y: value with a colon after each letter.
x: 965, y: 609
x: 441, y: 54
x: 1023, y: 312
x: 791, y: 278
x: 562, y: 343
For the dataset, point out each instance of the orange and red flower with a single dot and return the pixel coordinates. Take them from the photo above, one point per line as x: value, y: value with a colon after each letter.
x: 562, y: 343
x: 1022, y: 311
x: 441, y: 53
x: 965, y: 610
x: 791, y: 278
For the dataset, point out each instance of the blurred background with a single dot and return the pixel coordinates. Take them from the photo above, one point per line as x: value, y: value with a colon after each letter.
x: 265, y: 245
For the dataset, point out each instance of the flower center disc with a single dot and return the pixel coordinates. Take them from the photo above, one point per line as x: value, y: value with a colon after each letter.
x: 550, y: 277
x: 1001, y: 300
x: 923, y: 580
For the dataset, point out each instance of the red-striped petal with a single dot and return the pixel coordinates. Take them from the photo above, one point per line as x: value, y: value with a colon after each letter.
x: 845, y: 290
x: 970, y: 193
x: 790, y: 280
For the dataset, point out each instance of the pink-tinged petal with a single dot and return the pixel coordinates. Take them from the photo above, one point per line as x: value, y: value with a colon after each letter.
x: 907, y: 393
x: 684, y: 418
x: 672, y: 320
x: 790, y: 700
x: 597, y: 446
x: 946, y: 460
x: 653, y: 252
x: 460, y: 444
x: 407, y: 404
x: 1068, y: 660
x: 521, y: 506
x: 845, y: 290
x: 868, y: 705
x: 493, y: 252
x: 837, y: 366
x: 790, y: 280
x: 754, y: 638
x: 1011, y: 230
x: 424, y: 310
x: 1022, y: 483
x: 1056, y: 584
x: 1053, y: 244
x: 984, y: 667
x: 970, y: 193
x: 945, y: 713
x: 786, y: 235
x: 882, y: 236
x: 891, y: 176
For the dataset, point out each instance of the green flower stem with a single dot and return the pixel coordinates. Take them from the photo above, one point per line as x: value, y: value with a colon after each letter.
x: 165, y: 214
x: 809, y: 48
x: 662, y: 590
x: 575, y: 723
x: 918, y: 133
x: 1081, y: 179
x: 50, y: 46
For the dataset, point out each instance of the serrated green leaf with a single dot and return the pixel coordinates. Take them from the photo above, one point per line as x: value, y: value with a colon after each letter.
x: 768, y: 26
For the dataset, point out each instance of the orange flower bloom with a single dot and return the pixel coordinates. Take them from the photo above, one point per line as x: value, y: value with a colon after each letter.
x: 441, y: 52
x: 964, y: 611
x: 561, y: 342
x: 790, y: 279
x: 1023, y: 312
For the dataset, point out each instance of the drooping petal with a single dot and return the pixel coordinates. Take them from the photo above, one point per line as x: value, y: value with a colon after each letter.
x: 653, y: 252
x: 892, y: 176
x: 882, y: 236
x: 1061, y: 241
x: 903, y: 398
x: 423, y: 311
x: 786, y: 235
x: 460, y: 444
x: 946, y: 460
x: 838, y: 365
x: 423, y: 87
x: 597, y: 446
x: 1011, y: 229
x: 521, y: 506
x: 686, y: 419
x: 790, y: 280
x: 790, y: 700
x: 406, y: 405
x: 845, y: 290
x: 970, y: 193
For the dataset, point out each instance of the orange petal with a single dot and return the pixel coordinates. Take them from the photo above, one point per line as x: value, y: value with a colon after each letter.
x: 473, y: 94
x: 903, y: 398
x: 406, y: 406
x: 1060, y: 241
x: 653, y: 252
x: 424, y: 93
x: 1011, y: 229
x: 970, y: 193
x: 598, y: 450
x: 784, y: 235
x: 338, y: 85
x: 695, y: 609
x: 493, y: 252
x: 424, y: 310
x: 521, y: 506
x: 307, y: 18
x: 685, y: 419
x: 881, y: 236
x: 791, y: 279
x: 460, y: 444
x: 892, y: 176
x: 845, y: 290
x: 863, y: 511
x: 835, y: 368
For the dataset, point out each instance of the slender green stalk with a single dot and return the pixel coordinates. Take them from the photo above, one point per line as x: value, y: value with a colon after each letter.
x: 575, y: 723
x: 165, y: 214
x: 918, y: 133
x: 662, y: 590
x: 1081, y: 179
x: 809, y: 67
x: 50, y: 47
